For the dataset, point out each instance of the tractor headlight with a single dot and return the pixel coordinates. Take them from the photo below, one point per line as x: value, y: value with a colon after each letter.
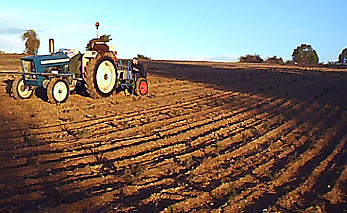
x: 31, y: 77
x: 26, y: 66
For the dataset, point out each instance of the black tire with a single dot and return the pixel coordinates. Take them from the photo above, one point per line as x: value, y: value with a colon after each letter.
x: 57, y: 91
x: 141, y: 86
x: 101, y: 76
x: 20, y: 90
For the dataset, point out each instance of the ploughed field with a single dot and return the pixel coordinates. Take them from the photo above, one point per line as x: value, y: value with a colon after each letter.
x: 209, y: 137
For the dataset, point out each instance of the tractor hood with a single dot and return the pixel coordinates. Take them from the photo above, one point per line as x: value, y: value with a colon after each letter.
x: 54, y: 59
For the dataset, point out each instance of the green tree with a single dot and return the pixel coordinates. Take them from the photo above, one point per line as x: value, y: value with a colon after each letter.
x: 32, y: 42
x: 305, y: 54
x: 274, y: 60
x: 251, y: 59
x: 139, y: 56
x: 343, y: 56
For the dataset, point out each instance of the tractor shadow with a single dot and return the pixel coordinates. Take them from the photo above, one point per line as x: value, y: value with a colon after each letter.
x: 41, y: 93
x: 81, y: 90
x: 8, y: 87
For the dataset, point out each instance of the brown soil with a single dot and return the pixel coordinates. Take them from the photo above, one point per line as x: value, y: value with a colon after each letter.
x: 209, y: 137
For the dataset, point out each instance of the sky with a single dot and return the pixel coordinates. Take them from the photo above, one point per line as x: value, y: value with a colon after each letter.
x: 212, y: 30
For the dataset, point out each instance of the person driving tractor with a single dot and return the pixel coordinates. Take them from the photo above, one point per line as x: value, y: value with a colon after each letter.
x: 138, y: 68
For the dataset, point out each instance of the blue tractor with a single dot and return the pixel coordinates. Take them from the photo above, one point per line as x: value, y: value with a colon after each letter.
x: 60, y: 72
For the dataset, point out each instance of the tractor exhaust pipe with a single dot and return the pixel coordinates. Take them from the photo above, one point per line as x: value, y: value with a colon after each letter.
x: 51, y: 46
x: 97, y: 29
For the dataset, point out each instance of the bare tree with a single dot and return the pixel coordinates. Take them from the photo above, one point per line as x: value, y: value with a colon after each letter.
x: 32, y: 42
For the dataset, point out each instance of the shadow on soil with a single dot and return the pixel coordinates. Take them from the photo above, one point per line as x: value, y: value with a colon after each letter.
x: 32, y: 182
x: 40, y: 181
x: 303, y: 85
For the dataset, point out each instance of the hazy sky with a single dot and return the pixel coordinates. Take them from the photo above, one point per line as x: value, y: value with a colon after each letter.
x: 181, y: 29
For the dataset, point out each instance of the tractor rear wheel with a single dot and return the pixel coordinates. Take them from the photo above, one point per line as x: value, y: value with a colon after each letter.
x: 57, y: 91
x: 20, y: 90
x: 141, y: 87
x: 101, y: 76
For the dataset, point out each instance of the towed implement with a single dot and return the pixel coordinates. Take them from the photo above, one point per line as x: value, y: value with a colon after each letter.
x: 60, y: 72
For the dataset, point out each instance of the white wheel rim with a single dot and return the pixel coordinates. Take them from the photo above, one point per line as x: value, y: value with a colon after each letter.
x: 60, y: 91
x: 23, y: 90
x: 106, y: 77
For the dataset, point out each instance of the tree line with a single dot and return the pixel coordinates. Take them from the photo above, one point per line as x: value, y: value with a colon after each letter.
x: 302, y: 55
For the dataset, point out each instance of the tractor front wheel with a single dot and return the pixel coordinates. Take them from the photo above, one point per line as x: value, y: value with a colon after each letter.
x: 141, y: 87
x: 57, y: 91
x: 20, y: 90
